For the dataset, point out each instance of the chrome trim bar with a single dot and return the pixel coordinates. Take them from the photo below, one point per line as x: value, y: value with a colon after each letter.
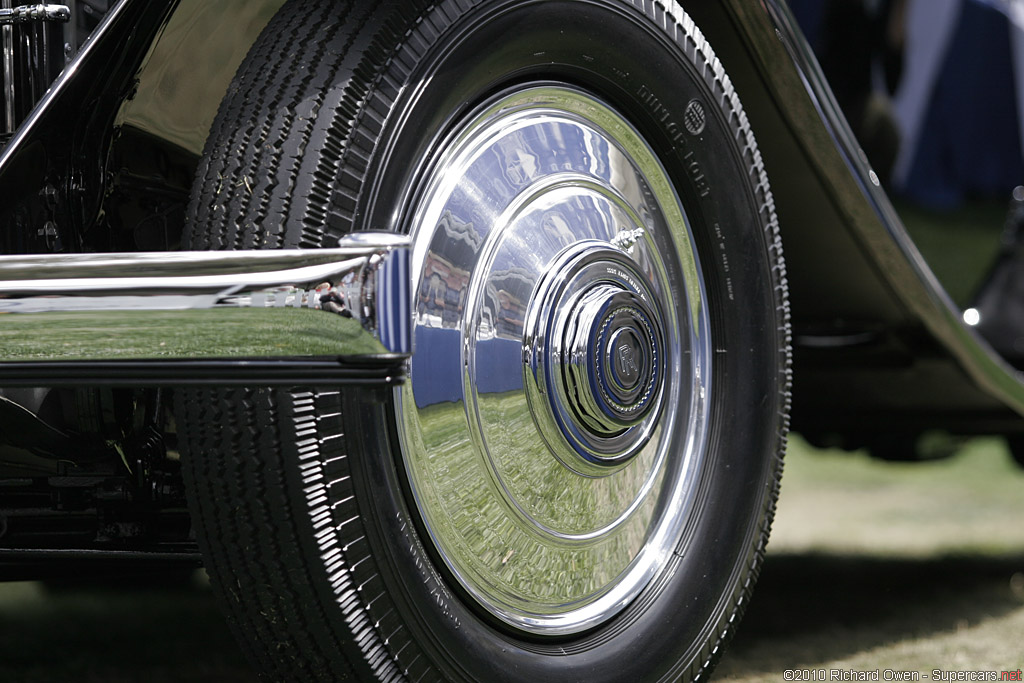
x: 7, y: 36
x: 348, y: 303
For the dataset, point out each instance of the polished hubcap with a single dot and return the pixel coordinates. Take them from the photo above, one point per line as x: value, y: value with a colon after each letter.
x: 554, y: 423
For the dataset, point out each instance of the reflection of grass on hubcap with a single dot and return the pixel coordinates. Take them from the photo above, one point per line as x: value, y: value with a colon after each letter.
x: 482, y: 533
x: 182, y: 334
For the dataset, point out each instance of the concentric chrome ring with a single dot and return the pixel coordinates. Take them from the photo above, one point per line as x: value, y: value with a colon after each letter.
x: 591, y: 295
x: 554, y: 423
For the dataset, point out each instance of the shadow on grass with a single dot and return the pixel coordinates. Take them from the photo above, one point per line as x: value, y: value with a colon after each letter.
x: 810, y: 609
x: 92, y: 631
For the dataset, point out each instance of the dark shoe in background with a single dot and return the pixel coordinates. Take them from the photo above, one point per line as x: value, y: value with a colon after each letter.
x: 997, y: 311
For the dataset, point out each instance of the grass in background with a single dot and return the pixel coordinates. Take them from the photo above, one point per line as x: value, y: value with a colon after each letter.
x: 838, y: 502
x: 906, y: 566
x: 958, y: 245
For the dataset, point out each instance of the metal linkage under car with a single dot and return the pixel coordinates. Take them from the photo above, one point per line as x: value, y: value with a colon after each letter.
x: 36, y: 42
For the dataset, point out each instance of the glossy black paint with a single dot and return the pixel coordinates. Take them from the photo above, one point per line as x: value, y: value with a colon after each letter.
x: 54, y: 172
x: 880, y: 351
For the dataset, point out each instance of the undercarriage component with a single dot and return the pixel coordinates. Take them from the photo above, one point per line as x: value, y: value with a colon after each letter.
x: 94, y: 470
x: 32, y: 40
x: 84, y: 564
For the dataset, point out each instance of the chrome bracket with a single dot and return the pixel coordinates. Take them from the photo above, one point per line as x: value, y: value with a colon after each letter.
x: 31, y: 13
x: 30, y: 47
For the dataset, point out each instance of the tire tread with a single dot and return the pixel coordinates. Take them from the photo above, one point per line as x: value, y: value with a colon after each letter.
x: 299, y: 183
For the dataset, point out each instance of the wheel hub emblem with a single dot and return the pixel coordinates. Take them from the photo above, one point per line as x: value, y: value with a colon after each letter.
x: 597, y: 343
x: 628, y: 376
x: 629, y: 371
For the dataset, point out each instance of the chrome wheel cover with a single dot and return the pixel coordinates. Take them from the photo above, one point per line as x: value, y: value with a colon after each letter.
x: 554, y: 424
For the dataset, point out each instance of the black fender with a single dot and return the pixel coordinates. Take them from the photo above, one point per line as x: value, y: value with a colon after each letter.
x: 879, y: 347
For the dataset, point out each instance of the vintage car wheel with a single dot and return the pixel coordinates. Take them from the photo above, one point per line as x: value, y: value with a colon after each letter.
x: 577, y: 479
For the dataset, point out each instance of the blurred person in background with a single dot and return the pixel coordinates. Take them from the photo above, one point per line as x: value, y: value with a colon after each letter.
x: 934, y: 90
x: 860, y: 44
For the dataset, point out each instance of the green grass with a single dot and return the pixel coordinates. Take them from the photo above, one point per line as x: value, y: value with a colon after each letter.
x: 907, y: 566
x: 958, y: 245
x: 840, y: 502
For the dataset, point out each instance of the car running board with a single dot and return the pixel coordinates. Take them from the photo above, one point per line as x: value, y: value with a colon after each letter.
x: 174, y: 318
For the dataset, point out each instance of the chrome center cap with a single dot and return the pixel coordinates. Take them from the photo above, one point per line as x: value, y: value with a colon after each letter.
x: 596, y: 343
x: 611, y: 372
x: 626, y: 359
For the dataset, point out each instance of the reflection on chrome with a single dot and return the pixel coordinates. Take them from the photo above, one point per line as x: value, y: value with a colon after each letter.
x: 38, y: 12
x: 351, y: 300
x: 558, y: 312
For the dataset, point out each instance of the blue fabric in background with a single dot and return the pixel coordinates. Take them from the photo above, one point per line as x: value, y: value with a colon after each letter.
x: 970, y: 144
x: 810, y: 14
